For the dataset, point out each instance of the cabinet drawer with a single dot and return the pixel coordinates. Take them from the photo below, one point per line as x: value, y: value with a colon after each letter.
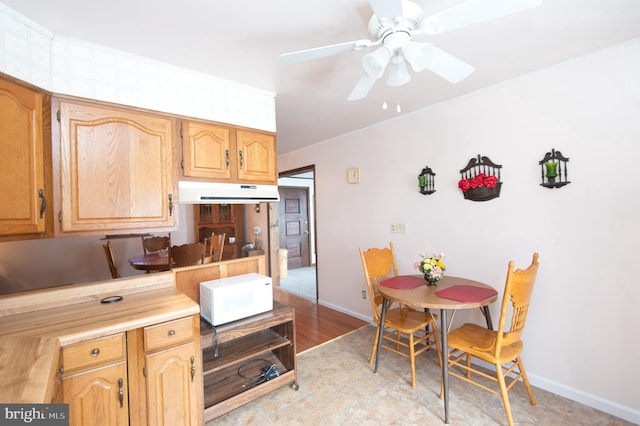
x: 169, y: 333
x: 93, y: 353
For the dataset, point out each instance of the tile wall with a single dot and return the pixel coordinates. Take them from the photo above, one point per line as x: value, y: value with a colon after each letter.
x: 69, y: 66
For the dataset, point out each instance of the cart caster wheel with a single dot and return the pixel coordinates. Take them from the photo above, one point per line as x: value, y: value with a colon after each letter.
x: 295, y: 386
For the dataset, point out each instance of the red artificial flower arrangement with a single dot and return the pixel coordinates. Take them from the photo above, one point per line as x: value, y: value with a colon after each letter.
x: 480, y: 180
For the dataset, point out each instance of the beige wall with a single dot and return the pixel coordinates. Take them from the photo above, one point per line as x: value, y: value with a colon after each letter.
x: 586, y: 301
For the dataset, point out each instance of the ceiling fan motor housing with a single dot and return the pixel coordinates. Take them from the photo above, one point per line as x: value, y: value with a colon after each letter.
x: 381, y: 27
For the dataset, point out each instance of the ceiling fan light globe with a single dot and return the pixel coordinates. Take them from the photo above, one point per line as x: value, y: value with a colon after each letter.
x: 374, y: 63
x: 398, y: 72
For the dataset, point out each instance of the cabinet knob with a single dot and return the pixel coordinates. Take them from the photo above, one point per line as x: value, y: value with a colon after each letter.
x: 95, y: 352
x: 171, y: 333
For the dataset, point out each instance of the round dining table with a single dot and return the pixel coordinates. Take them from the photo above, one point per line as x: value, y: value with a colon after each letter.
x: 151, y: 262
x: 424, y: 296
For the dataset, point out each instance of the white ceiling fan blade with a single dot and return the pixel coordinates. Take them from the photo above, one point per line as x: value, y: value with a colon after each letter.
x: 362, y: 87
x: 388, y: 9
x: 426, y: 55
x: 324, y: 51
x: 473, y: 12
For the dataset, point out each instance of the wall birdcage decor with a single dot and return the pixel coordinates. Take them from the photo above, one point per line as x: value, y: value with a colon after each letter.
x: 480, y: 179
x: 426, y: 181
x: 553, y: 170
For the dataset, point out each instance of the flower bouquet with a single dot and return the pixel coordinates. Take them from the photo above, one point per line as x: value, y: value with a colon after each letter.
x: 432, y: 267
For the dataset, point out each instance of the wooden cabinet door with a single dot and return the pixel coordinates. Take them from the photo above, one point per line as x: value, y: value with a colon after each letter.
x: 22, y: 170
x: 116, y: 169
x: 98, y: 397
x: 256, y: 157
x: 174, y: 386
x: 207, y: 151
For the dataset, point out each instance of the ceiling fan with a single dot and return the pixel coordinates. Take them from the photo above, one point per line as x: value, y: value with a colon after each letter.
x: 392, y: 27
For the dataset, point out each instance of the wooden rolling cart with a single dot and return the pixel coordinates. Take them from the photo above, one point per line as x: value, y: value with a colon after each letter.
x: 244, y: 348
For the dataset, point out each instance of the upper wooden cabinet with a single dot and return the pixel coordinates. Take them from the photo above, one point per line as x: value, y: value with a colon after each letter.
x: 22, y: 191
x: 116, y: 169
x: 226, y: 154
x: 256, y: 157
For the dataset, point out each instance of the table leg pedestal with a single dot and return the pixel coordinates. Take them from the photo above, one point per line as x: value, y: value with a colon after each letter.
x: 487, y: 317
x: 383, y: 316
x: 445, y: 362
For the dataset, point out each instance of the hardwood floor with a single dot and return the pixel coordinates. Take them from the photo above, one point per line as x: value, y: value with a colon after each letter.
x: 316, y: 324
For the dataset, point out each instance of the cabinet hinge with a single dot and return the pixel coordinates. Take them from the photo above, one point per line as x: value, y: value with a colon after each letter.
x: 58, y: 115
x: 60, y: 216
x: 181, y: 137
x: 144, y: 371
x: 182, y: 164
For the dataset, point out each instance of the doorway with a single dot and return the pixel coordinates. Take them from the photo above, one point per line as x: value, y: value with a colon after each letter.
x: 296, y: 226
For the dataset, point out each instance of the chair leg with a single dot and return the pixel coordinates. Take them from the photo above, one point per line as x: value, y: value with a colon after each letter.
x: 503, y: 392
x: 412, y: 358
x: 436, y: 338
x: 375, y: 345
x: 525, y: 380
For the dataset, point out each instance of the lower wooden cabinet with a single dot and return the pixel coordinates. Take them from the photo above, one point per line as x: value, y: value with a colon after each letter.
x: 173, y: 387
x: 98, y: 396
x: 173, y: 370
x: 94, y: 381
x: 146, y: 376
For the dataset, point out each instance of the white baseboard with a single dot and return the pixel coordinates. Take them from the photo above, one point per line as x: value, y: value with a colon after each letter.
x: 346, y: 311
x: 593, y: 401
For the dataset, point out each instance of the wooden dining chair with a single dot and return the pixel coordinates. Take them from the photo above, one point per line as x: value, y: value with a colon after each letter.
x: 112, y: 264
x: 187, y: 255
x: 406, y: 331
x: 217, y: 246
x: 500, y: 348
x: 156, y: 244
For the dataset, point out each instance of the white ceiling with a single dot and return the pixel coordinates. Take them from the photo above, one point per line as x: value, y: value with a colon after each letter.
x: 241, y: 40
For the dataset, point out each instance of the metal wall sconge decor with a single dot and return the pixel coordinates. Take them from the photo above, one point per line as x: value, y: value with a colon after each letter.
x: 480, y: 179
x: 426, y: 181
x: 553, y: 170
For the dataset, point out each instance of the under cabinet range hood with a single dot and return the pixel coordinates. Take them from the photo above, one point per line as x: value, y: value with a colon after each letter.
x: 192, y: 192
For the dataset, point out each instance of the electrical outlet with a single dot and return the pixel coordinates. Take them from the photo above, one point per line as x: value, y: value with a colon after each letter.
x: 364, y: 294
x: 399, y: 228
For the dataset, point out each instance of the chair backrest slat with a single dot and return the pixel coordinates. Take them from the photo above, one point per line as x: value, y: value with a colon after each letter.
x: 378, y: 264
x: 156, y: 244
x: 110, y: 260
x: 187, y: 254
x: 217, y: 246
x: 517, y: 296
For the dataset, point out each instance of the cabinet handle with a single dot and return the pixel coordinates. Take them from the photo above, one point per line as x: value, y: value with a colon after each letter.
x: 228, y: 160
x: 170, y: 204
x: 95, y: 352
x: 43, y: 203
x: 120, y: 393
x: 241, y: 159
x: 171, y: 333
x: 193, y: 368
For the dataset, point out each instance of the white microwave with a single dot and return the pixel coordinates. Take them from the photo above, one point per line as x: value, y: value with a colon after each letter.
x: 230, y: 299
